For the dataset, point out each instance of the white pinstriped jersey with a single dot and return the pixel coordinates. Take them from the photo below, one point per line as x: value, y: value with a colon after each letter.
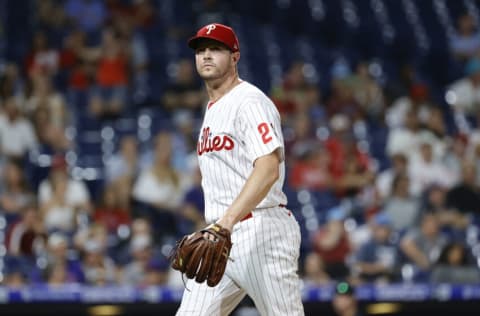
x: 240, y: 127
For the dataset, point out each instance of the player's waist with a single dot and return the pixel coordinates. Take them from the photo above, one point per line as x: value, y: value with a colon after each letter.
x: 262, y: 209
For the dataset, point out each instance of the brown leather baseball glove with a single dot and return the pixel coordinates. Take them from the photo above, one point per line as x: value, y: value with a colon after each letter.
x: 203, y: 255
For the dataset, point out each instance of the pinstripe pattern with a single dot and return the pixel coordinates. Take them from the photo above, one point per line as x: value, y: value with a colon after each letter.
x: 265, y: 255
x: 237, y: 116
x: 266, y: 247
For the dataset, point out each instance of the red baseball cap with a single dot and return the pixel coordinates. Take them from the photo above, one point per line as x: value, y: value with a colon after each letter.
x: 218, y: 32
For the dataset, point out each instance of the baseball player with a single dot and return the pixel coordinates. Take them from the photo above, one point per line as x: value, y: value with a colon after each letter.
x: 241, y: 157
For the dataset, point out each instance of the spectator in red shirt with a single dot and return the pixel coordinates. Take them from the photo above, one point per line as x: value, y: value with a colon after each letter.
x: 79, y: 71
x: 332, y: 244
x: 312, y: 171
x: 26, y: 237
x: 349, y: 165
x: 73, y: 44
x: 109, y: 96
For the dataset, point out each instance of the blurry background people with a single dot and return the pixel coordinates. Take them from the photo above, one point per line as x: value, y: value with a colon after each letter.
x: 42, y: 58
x: 160, y: 189
x: 425, y: 169
x: 17, y: 135
x: 11, y: 82
x: 147, y: 267
x: 314, y: 270
x: 311, y: 169
x: 434, y: 200
x: 466, y: 91
x: 123, y: 168
x: 109, y: 95
x: 141, y: 252
x: 25, y: 241
x: 26, y: 237
x: 455, y: 266
x: 402, y: 208
x: 16, y: 273
x: 63, y: 266
x: 365, y: 129
x: 86, y: 15
x: 299, y: 136
x: 43, y: 96
x: 98, y: 267
x: 377, y: 260
x: 62, y: 199
x: 344, y: 301
x: 423, y: 245
x: 464, y: 198
x: 111, y: 212
x: 332, y: 245
x: 15, y: 193
x: 185, y: 91
x: 193, y: 206
x: 466, y: 41
x: 349, y: 165
x: 384, y: 180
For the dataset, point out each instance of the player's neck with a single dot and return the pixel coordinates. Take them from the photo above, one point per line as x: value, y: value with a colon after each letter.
x: 218, y: 88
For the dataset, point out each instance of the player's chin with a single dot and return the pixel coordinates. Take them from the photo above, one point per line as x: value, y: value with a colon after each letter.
x: 208, y: 75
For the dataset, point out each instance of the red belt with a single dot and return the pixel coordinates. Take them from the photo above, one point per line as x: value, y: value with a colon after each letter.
x: 250, y: 215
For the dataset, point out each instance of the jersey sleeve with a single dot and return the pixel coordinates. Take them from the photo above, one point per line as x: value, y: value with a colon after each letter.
x: 260, y: 128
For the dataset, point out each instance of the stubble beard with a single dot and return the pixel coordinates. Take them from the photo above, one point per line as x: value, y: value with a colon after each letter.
x: 214, y: 75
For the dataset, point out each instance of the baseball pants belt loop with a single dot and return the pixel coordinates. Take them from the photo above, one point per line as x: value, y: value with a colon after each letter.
x: 250, y: 215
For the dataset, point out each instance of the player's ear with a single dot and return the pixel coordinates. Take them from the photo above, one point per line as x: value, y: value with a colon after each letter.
x: 236, y: 57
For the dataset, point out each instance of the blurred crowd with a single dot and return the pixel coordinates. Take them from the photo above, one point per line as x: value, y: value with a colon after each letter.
x: 383, y: 177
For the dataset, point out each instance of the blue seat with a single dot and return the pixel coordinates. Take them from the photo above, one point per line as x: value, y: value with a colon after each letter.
x: 323, y: 201
x: 89, y: 143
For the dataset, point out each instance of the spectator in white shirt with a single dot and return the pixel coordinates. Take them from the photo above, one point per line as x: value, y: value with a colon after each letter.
x: 75, y: 194
x: 425, y: 170
x: 160, y: 185
x: 17, y: 135
x: 404, y: 140
x: 159, y: 190
x: 464, y: 94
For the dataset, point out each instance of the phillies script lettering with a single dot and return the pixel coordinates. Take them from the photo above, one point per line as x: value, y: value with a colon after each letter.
x: 215, y: 143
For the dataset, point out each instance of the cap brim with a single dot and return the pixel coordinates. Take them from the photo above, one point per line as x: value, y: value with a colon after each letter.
x: 194, y: 42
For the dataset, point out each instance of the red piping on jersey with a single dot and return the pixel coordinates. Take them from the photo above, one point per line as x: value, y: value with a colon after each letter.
x: 209, y: 105
x: 250, y: 215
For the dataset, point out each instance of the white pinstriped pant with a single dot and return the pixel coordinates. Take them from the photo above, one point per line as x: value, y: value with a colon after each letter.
x: 265, y: 259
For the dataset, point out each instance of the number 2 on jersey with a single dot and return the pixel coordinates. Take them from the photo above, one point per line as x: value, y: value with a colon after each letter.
x: 264, y: 130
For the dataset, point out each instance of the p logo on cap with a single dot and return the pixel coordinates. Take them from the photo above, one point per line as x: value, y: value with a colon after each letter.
x: 210, y: 28
x: 218, y: 32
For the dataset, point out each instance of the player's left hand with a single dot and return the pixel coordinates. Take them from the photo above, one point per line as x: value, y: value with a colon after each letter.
x: 204, y: 254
